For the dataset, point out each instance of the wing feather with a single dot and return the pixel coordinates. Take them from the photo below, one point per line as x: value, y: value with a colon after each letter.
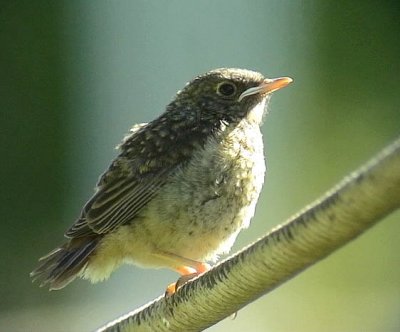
x: 137, y: 174
x: 117, y: 203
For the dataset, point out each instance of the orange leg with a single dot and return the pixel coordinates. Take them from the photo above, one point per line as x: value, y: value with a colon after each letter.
x: 187, y: 273
x: 198, y: 268
x: 186, y: 267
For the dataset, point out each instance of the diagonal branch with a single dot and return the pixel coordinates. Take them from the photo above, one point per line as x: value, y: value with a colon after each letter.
x: 357, y: 203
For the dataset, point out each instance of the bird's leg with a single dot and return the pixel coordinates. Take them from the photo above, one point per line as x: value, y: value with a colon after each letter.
x: 186, y: 267
x: 187, y: 273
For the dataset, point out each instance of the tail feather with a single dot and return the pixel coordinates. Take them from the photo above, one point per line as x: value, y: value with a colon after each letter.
x: 61, y: 266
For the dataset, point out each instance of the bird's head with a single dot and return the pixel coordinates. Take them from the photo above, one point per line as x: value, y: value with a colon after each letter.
x: 228, y: 95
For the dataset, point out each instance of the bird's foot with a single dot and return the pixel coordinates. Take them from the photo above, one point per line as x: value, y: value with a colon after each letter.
x: 187, y: 274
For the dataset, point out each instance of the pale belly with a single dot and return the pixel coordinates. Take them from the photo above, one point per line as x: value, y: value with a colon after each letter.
x: 197, y: 215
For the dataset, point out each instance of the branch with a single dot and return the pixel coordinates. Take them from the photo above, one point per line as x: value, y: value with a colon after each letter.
x: 357, y: 203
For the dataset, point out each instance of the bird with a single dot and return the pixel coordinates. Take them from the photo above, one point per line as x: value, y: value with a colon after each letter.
x: 181, y: 188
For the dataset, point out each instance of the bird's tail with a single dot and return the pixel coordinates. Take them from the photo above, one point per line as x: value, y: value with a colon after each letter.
x: 61, y: 266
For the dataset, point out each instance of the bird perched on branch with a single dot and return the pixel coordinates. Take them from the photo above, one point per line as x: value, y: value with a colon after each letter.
x: 181, y: 188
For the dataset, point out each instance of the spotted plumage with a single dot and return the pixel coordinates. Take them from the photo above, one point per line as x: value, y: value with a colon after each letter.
x: 181, y: 188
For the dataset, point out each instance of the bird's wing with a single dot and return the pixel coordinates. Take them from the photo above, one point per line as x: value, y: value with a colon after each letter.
x: 123, y: 190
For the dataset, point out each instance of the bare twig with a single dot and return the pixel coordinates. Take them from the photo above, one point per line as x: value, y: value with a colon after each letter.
x: 358, y: 202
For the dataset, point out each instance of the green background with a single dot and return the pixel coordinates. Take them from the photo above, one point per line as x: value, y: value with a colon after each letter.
x: 75, y: 75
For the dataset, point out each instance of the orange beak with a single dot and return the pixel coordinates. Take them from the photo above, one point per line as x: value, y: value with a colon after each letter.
x: 267, y: 86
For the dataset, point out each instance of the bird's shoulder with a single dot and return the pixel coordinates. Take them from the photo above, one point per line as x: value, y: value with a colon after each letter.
x: 148, y: 155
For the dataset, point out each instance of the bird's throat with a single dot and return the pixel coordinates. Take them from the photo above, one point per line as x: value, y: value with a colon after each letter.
x: 257, y: 113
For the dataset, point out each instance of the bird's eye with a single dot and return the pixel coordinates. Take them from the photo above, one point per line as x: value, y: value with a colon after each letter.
x: 226, y: 89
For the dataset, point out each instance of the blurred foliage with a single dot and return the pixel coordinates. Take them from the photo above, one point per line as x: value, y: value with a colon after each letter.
x: 75, y: 75
x: 32, y: 145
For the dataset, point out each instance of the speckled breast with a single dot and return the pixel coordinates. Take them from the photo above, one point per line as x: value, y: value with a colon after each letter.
x: 209, y: 200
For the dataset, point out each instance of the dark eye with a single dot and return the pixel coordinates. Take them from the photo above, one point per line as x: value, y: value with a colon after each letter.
x: 226, y: 89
